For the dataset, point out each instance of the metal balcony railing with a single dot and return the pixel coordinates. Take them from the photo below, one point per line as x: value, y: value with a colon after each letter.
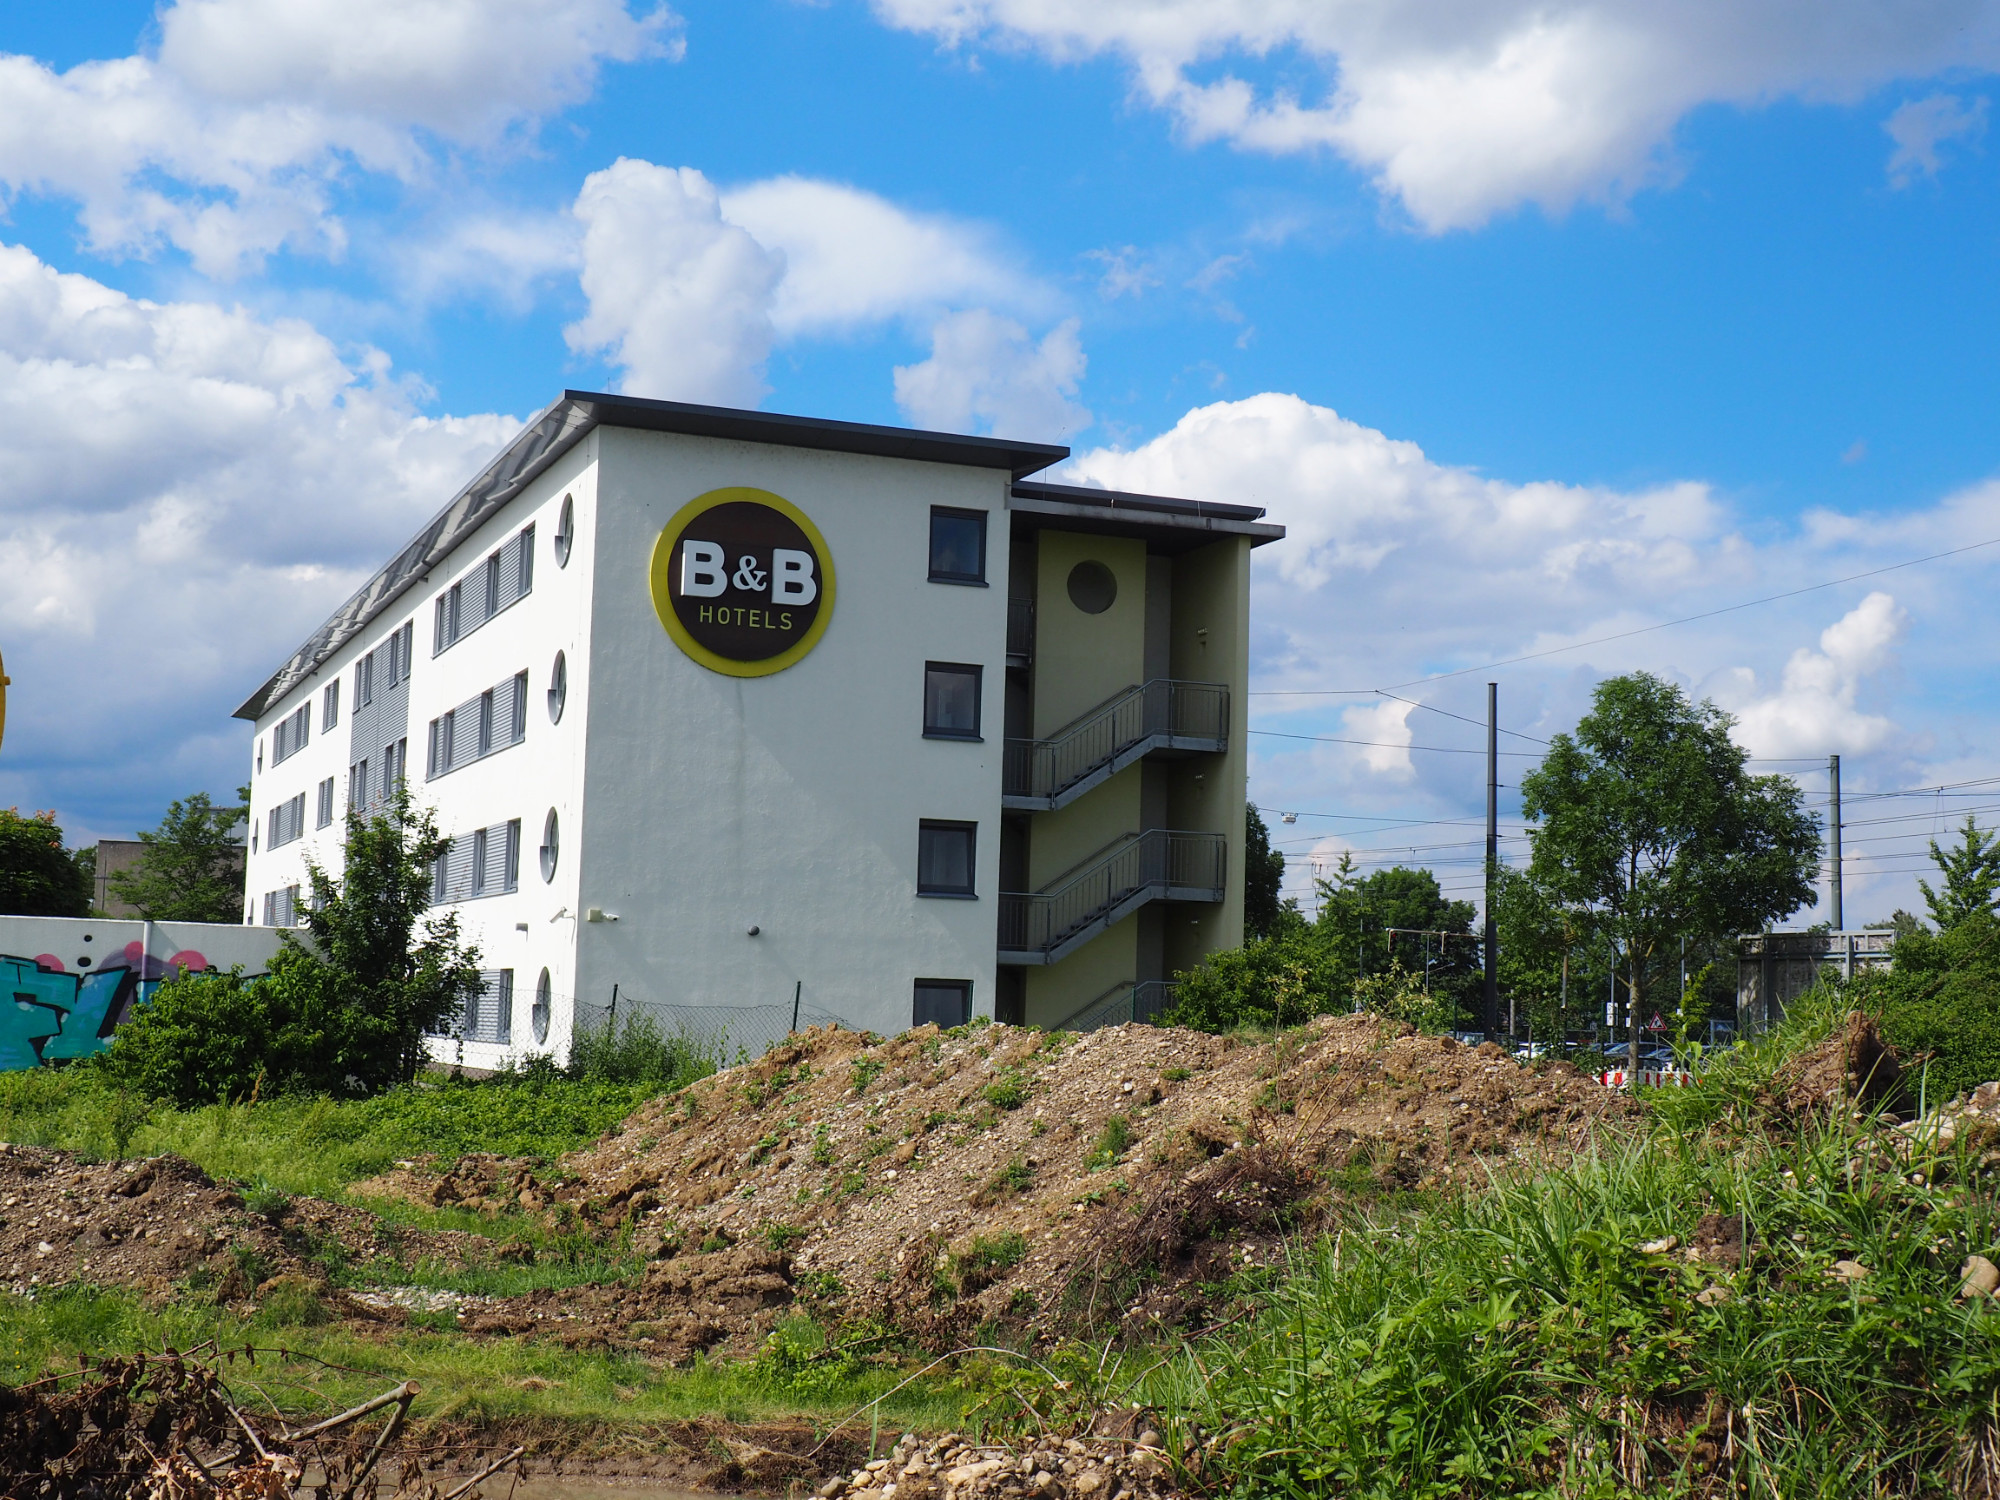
x: 1161, y: 864
x: 1021, y: 631
x: 1164, y: 714
x: 1125, y: 1001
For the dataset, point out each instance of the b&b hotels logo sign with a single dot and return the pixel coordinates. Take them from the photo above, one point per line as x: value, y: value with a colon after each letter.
x: 743, y: 582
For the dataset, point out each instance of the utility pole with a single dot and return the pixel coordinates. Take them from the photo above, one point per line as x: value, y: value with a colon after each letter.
x: 1492, y: 854
x: 1833, y: 833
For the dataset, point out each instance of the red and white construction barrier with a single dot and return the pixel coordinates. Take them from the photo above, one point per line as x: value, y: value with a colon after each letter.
x: 1652, y: 1078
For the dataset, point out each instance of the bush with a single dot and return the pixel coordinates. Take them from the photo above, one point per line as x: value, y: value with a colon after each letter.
x: 1941, y: 1003
x: 640, y: 1051
x: 1282, y: 981
x: 348, y: 1015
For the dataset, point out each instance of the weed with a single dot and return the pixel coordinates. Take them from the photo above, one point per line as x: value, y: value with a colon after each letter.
x: 981, y: 1262
x: 290, y: 1302
x: 1038, y: 1126
x: 822, y: 1151
x: 864, y: 1071
x: 1112, y: 1142
x: 781, y: 1237
x: 1177, y: 1075
x: 1007, y: 1092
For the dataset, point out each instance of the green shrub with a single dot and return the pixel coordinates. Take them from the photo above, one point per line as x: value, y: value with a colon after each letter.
x: 1008, y: 1092
x: 639, y: 1051
x: 1283, y: 981
x: 1939, y: 1006
x: 1112, y: 1142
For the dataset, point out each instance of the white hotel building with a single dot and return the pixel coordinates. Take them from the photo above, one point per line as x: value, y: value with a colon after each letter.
x: 726, y: 708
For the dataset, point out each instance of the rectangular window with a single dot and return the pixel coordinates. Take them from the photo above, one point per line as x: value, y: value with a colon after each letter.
x: 325, y: 803
x: 395, y: 764
x: 281, y: 908
x: 958, y: 545
x: 489, y: 1014
x: 441, y: 876
x: 290, y: 737
x: 364, y: 681
x: 478, y: 727
x: 504, y: 578
x: 942, y: 1003
x: 945, y: 858
x: 287, y: 822
x: 479, y: 862
x: 357, y: 785
x: 951, y: 700
x: 329, y: 706
x: 510, y: 874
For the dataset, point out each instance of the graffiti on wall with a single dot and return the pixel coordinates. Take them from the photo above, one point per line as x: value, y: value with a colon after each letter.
x: 59, y: 1016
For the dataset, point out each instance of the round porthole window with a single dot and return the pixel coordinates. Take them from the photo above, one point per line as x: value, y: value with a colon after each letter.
x: 551, y: 845
x: 565, y: 531
x: 558, y: 688
x: 1092, y: 587
x: 538, y: 1018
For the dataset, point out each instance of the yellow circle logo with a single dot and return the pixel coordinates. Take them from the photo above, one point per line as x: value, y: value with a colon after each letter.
x: 742, y: 581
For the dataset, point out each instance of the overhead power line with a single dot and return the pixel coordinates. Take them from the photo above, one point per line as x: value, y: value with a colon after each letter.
x: 1622, y: 635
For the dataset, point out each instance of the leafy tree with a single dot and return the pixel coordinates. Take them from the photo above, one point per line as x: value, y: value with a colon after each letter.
x: 38, y: 876
x: 1373, y: 921
x: 1971, y: 877
x: 1263, y: 874
x: 1646, y: 821
x: 191, y: 869
x: 1545, y: 950
x: 345, y: 1011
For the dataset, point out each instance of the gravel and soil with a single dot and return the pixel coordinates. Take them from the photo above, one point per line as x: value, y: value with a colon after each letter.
x: 1001, y: 1176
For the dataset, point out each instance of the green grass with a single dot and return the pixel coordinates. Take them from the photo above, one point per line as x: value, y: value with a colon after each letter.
x: 1520, y: 1340
x: 317, y: 1147
x: 461, y: 1378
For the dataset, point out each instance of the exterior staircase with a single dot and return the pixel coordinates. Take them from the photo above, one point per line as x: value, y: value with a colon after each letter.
x: 1128, y: 1000
x: 1161, y: 864
x: 1164, y: 714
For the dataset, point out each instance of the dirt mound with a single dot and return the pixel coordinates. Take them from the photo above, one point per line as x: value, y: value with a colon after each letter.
x: 939, y: 1181
x: 1852, y: 1066
x: 164, y: 1224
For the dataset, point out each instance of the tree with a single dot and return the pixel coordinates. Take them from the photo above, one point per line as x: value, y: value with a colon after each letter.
x: 1646, y: 821
x: 344, y: 1011
x: 1399, y: 915
x: 38, y: 876
x: 191, y: 868
x: 1263, y: 874
x: 1971, y: 877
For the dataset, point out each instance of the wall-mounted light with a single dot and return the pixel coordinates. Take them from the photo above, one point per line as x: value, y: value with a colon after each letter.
x: 599, y: 914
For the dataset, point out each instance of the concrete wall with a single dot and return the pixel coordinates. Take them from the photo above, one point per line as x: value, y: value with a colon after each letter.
x: 71, y: 980
x: 789, y: 802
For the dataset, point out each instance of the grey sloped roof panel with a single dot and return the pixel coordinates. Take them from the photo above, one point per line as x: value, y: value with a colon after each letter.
x: 555, y: 430
x: 546, y: 437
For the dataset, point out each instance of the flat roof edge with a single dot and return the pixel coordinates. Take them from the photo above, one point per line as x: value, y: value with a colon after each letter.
x: 1017, y: 458
x: 1135, y: 516
x: 551, y: 432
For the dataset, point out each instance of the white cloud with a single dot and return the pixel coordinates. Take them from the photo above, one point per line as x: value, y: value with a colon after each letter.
x: 1921, y: 126
x: 986, y: 372
x: 853, y: 258
x: 1813, y: 713
x: 186, y: 491
x: 1385, y: 726
x: 1464, y: 110
x: 228, y: 144
x: 679, y: 297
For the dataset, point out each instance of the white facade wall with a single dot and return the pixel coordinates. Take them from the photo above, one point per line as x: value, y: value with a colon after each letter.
x: 522, y: 781
x: 789, y: 803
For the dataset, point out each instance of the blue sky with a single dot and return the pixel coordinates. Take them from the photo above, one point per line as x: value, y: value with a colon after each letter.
x: 1534, y: 326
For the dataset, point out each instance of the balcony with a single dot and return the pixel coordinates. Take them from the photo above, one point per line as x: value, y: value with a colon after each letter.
x: 1046, y: 926
x: 1043, y: 775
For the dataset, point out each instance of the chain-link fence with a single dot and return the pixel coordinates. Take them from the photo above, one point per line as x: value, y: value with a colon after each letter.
x: 725, y: 1034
